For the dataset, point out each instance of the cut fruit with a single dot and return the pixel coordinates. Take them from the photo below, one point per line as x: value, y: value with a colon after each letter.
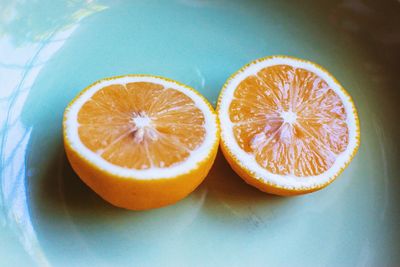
x: 287, y: 126
x: 140, y: 141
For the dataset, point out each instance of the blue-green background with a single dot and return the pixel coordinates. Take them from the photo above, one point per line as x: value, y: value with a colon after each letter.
x: 50, y: 50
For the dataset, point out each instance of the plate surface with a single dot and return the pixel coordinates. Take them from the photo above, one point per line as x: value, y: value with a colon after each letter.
x: 51, y: 50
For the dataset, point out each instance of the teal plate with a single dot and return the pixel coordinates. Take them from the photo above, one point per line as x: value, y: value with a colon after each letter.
x: 50, y: 50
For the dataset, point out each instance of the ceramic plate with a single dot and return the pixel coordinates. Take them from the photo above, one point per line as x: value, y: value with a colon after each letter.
x: 50, y: 50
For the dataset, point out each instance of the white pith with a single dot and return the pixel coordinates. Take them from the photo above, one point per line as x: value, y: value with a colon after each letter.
x: 289, y: 116
x: 141, y: 121
x: 196, y: 156
x: 248, y: 161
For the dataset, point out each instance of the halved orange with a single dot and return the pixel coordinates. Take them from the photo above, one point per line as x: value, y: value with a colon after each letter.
x: 140, y: 141
x: 287, y: 126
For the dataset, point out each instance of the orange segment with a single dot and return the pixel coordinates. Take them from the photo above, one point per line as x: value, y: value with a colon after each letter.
x: 284, y: 113
x: 141, y: 125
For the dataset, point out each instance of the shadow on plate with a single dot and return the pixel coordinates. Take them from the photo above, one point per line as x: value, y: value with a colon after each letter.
x: 227, y: 186
x: 61, y: 189
x: 231, y: 200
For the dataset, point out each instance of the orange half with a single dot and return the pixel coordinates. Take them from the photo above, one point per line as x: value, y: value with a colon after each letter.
x: 140, y: 141
x: 287, y: 126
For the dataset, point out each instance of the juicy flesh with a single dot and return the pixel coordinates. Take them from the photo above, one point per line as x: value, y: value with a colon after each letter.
x: 290, y: 120
x: 141, y: 125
